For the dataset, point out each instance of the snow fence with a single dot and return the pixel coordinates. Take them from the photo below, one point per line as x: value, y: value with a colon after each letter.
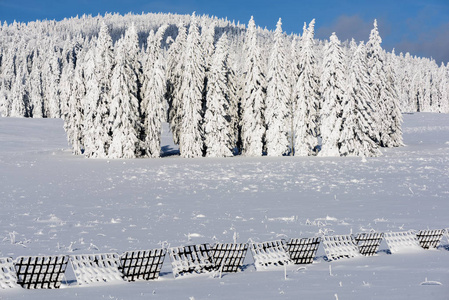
x: 47, y: 272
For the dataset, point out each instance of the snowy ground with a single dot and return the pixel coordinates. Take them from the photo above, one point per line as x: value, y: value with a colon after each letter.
x: 56, y: 203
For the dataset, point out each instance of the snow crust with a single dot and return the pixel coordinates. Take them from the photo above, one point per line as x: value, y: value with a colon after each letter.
x: 55, y: 203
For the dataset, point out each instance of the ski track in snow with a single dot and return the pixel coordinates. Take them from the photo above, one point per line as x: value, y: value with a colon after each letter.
x: 56, y: 203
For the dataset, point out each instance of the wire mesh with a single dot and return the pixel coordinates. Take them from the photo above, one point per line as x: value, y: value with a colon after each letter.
x: 96, y: 268
x: 303, y: 251
x: 430, y: 238
x: 193, y: 259
x: 402, y: 241
x: 40, y: 272
x: 142, y: 265
x: 229, y: 257
x: 340, y: 246
x: 369, y: 243
x: 270, y: 254
x: 8, y: 276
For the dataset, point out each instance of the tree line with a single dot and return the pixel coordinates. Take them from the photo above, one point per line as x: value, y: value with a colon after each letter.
x: 224, y: 88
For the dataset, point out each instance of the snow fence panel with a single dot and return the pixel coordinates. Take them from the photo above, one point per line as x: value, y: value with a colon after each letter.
x: 403, y: 241
x: 303, y: 251
x: 430, y: 238
x: 270, y: 254
x: 369, y: 243
x: 229, y: 257
x: 142, y: 264
x: 193, y: 259
x: 8, y: 276
x: 40, y: 272
x: 96, y: 268
x: 340, y: 246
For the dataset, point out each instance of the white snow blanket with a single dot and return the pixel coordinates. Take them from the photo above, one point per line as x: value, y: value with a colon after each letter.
x: 403, y: 241
x: 340, y: 246
x: 270, y: 254
x: 96, y: 268
x: 8, y: 277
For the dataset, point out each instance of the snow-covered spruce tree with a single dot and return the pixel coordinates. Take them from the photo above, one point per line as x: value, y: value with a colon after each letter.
x: 385, y: 95
x: 217, y: 125
x: 19, y: 95
x: 278, y: 93
x: 444, y: 89
x: 124, y: 109
x: 234, y: 96
x: 52, y: 71
x: 8, y: 78
x: 207, y: 43
x: 35, y: 88
x: 153, y: 91
x: 358, y: 124
x: 74, y: 119
x: 390, y: 94
x: 192, y: 85
x: 253, y: 99
x: 99, y: 65
x: 332, y: 89
x: 305, y: 119
x: 174, y: 73
x: 69, y: 57
x: 294, y: 70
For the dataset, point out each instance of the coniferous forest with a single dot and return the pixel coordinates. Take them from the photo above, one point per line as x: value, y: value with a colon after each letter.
x: 224, y: 88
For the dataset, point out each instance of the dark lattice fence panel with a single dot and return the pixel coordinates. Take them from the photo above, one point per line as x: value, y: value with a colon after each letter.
x: 40, y: 272
x: 430, y: 238
x: 142, y: 265
x: 229, y: 257
x: 303, y: 251
x: 193, y: 259
x: 340, y: 246
x: 8, y: 276
x: 403, y: 241
x: 270, y: 254
x: 96, y: 268
x: 369, y: 243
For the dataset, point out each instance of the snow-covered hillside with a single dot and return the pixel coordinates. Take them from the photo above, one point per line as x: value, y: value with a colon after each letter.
x: 55, y: 203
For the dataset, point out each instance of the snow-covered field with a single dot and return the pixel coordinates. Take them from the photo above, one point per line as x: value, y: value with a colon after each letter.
x: 55, y: 203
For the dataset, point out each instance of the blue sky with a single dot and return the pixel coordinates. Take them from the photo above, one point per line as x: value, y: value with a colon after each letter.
x: 420, y: 27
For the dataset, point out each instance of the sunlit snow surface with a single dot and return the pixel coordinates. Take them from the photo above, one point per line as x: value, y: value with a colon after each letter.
x: 55, y: 203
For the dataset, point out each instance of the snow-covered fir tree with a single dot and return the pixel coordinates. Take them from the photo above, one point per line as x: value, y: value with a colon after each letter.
x: 19, y: 95
x: 124, y: 109
x: 277, y: 100
x: 192, y: 86
x: 174, y: 73
x: 332, y: 89
x: 253, y: 99
x: 153, y: 93
x: 35, y: 88
x: 384, y: 91
x: 52, y: 71
x: 358, y: 126
x: 444, y: 88
x: 74, y: 119
x: 217, y: 118
x: 98, y: 96
x: 234, y: 97
x: 306, y: 114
